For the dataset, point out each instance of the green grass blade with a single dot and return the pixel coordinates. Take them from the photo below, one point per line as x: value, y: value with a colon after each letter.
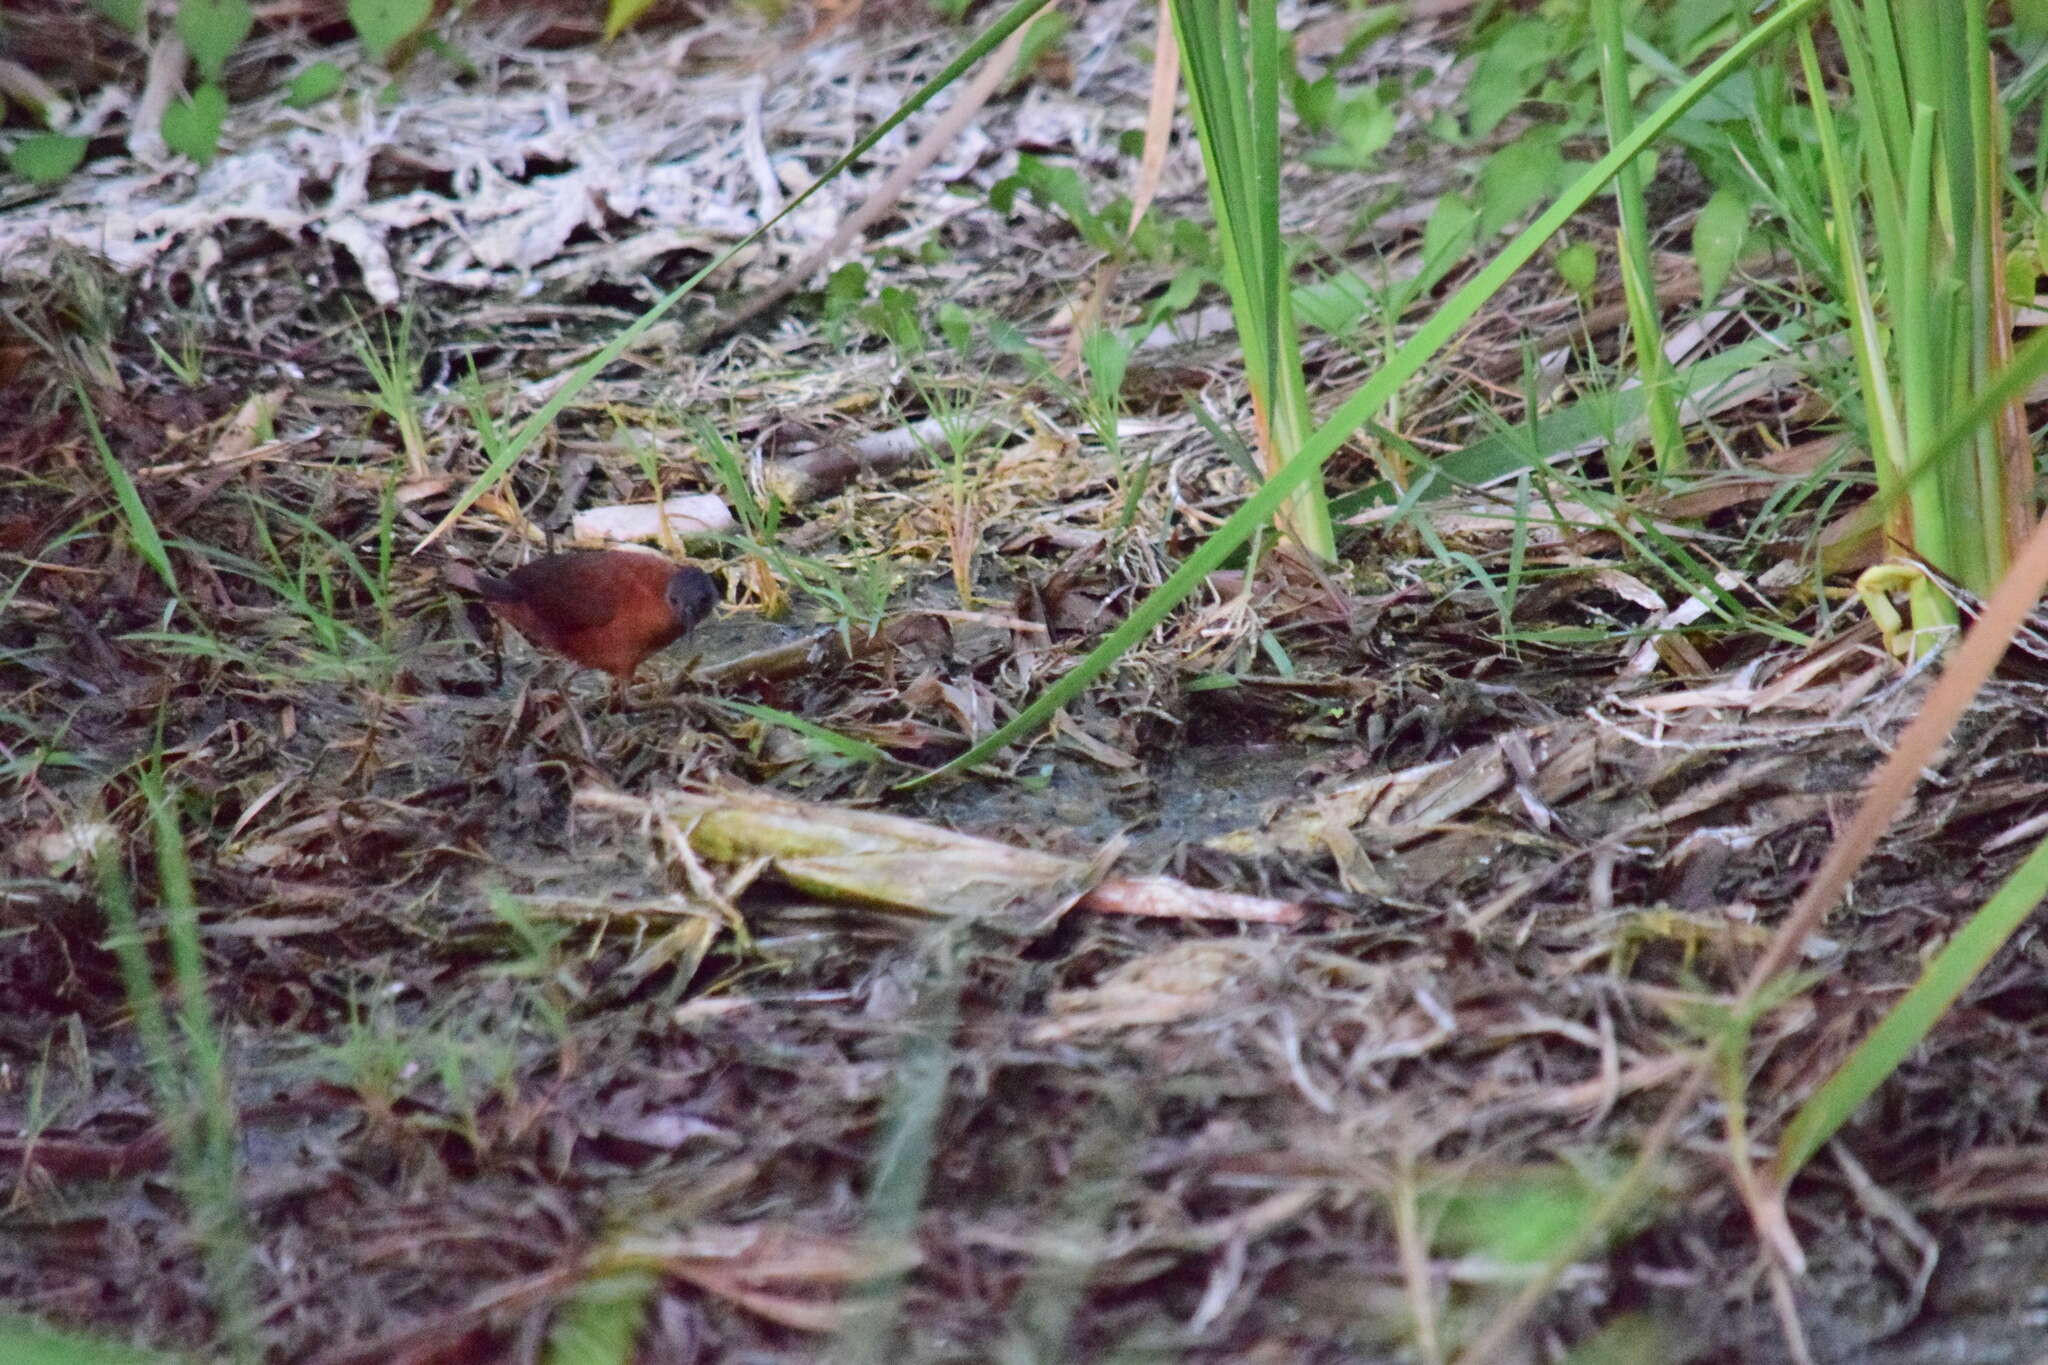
x: 138, y: 982
x: 901, y: 1163
x: 1361, y: 407
x: 205, y: 1094
x: 1614, y: 414
x: 1667, y: 436
x: 23, y: 1342
x: 1234, y: 73
x: 846, y: 746
x: 2029, y: 363
x: 142, y: 530
x: 1945, y: 978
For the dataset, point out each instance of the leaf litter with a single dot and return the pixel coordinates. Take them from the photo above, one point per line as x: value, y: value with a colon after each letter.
x: 525, y: 996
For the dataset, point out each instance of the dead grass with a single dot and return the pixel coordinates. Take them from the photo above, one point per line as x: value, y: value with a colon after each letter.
x: 501, y: 1041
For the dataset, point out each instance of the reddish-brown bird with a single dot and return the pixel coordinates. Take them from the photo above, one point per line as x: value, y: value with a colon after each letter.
x: 605, y: 609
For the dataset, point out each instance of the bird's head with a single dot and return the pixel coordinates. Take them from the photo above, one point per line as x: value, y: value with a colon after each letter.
x: 691, y: 595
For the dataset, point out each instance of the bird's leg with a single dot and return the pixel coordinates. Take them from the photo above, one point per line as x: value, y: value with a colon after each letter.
x: 576, y: 718
x: 486, y: 629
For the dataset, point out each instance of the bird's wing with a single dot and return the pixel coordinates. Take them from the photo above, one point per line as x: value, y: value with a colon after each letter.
x: 574, y: 594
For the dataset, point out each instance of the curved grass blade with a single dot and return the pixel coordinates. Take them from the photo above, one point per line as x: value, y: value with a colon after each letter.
x: 1944, y: 979
x: 1959, y: 962
x: 1599, y: 418
x: 1358, y: 409
x: 846, y: 746
x: 142, y: 530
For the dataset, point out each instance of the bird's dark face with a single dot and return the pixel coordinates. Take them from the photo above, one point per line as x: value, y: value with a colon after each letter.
x: 691, y: 595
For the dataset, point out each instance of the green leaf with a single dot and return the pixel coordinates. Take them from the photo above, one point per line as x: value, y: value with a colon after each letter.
x: 1690, y: 27
x: 1364, y: 126
x: 621, y: 14
x: 845, y: 290
x: 1059, y: 189
x: 1452, y: 227
x: 384, y: 24
x: 127, y: 14
x: 1369, y: 24
x: 451, y: 54
x: 1514, y: 1216
x: 23, y: 1342
x: 1233, y: 72
x: 193, y: 124
x: 1335, y: 304
x: 1042, y: 35
x: 2022, y: 275
x: 1106, y: 356
x: 1513, y: 61
x: 1578, y: 265
x: 1181, y: 291
x: 1148, y: 240
x: 1518, y: 177
x: 1191, y: 241
x: 1631, y: 1339
x: 894, y: 315
x: 956, y: 325
x: 1315, y: 102
x: 46, y: 158
x: 600, y: 1321
x: 212, y: 29
x: 1717, y: 238
x: 1008, y: 339
x: 314, y: 84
